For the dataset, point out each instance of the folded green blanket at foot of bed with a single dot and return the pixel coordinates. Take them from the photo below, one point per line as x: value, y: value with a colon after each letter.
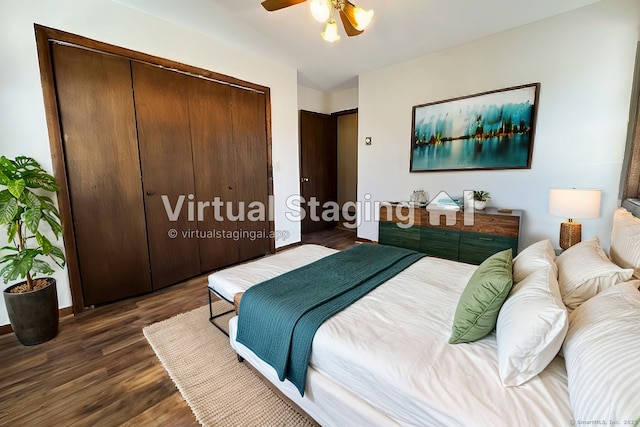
x: 278, y: 318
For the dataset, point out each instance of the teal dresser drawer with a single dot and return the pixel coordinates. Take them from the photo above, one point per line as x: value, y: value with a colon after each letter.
x: 392, y: 235
x: 491, y: 231
x: 476, y: 247
x: 440, y: 242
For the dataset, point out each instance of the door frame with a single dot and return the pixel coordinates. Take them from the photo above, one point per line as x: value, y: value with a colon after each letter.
x: 45, y: 38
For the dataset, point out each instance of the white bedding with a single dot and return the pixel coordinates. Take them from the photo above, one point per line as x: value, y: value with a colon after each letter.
x: 239, y: 278
x: 390, y: 349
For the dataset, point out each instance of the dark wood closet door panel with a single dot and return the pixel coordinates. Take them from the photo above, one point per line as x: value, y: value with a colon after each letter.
x: 214, y: 169
x: 318, y: 165
x: 252, y: 184
x: 162, y: 114
x: 103, y: 172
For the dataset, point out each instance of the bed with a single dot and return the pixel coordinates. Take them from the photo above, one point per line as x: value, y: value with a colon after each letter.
x: 387, y: 360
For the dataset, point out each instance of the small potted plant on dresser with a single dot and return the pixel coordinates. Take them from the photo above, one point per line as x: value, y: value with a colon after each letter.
x: 32, y: 305
x: 480, y: 199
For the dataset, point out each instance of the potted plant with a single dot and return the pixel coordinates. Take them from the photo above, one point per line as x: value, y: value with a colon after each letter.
x: 480, y: 199
x: 32, y: 305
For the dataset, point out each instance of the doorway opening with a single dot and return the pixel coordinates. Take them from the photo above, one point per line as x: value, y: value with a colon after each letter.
x: 329, y: 172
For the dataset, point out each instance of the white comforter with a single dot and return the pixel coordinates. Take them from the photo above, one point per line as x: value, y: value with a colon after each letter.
x: 391, y: 349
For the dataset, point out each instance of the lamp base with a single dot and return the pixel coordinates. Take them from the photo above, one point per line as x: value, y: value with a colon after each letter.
x: 570, y: 234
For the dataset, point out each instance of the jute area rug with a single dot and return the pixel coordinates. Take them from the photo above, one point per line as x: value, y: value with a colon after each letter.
x: 220, y: 390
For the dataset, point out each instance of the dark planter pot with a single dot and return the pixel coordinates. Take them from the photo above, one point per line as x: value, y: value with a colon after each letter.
x: 33, y: 315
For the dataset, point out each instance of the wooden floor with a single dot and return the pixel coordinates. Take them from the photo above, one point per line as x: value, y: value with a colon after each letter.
x: 100, y: 370
x: 336, y: 238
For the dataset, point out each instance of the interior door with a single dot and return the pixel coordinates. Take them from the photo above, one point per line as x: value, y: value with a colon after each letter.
x: 252, y: 176
x: 318, y: 168
x: 164, y: 136
x: 97, y: 118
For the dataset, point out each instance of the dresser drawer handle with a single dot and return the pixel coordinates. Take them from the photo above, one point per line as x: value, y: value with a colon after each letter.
x: 485, y: 238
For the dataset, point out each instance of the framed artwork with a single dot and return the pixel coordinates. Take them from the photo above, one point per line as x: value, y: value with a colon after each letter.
x: 489, y: 130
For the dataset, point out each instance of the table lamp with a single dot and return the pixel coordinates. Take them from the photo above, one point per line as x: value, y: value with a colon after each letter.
x: 573, y: 203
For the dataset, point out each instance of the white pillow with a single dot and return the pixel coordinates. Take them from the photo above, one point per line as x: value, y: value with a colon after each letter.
x: 584, y: 270
x: 625, y: 240
x: 601, y: 355
x: 533, y: 258
x: 531, y: 326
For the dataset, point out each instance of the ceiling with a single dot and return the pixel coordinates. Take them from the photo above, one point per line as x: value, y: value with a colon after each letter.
x: 400, y: 30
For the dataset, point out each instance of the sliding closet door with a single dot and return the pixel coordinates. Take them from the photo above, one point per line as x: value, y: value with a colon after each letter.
x: 252, y: 184
x: 162, y: 114
x: 97, y: 118
x: 214, y: 167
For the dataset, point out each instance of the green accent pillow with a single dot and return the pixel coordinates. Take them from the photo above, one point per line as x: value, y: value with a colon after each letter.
x: 480, y: 302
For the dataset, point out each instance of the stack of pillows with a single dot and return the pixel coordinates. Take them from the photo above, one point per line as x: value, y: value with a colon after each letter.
x: 582, y: 299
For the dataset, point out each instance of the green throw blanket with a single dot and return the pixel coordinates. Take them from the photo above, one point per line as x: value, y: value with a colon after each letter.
x: 279, y: 318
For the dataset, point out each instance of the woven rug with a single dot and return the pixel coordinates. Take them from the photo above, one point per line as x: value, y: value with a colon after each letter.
x: 220, y: 390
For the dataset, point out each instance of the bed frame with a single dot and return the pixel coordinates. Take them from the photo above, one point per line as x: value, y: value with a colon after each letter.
x: 213, y: 317
x: 633, y: 206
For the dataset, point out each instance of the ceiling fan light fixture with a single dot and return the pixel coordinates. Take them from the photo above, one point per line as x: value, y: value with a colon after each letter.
x: 358, y: 17
x: 330, y: 33
x: 362, y: 17
x: 320, y: 10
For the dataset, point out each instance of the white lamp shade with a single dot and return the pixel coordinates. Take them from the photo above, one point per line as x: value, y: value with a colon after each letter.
x: 320, y: 10
x: 574, y: 203
x: 330, y: 33
x: 363, y: 18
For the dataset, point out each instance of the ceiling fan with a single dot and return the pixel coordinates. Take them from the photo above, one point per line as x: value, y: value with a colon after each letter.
x: 354, y: 19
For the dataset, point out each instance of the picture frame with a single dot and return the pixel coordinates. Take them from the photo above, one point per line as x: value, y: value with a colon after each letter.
x: 489, y: 130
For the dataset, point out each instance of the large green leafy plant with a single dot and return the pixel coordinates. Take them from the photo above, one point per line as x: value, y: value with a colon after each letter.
x: 24, y: 212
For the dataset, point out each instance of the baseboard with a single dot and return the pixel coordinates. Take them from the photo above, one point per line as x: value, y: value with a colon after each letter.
x: 63, y: 312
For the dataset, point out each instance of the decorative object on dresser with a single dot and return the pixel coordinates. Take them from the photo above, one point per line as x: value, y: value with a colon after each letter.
x: 489, y: 130
x: 32, y: 305
x: 573, y: 203
x: 413, y: 228
x: 418, y: 197
x: 480, y: 199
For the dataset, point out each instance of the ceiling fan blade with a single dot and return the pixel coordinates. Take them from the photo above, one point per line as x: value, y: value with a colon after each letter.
x: 349, y: 28
x: 272, y: 5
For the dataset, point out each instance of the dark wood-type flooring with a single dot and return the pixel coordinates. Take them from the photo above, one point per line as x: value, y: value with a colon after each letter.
x: 100, y: 370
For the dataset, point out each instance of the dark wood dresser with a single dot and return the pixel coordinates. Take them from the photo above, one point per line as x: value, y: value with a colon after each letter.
x: 472, y: 242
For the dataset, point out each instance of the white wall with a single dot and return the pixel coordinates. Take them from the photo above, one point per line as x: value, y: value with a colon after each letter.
x: 327, y: 102
x: 23, y: 129
x: 584, y: 61
x: 314, y: 100
x: 343, y: 100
